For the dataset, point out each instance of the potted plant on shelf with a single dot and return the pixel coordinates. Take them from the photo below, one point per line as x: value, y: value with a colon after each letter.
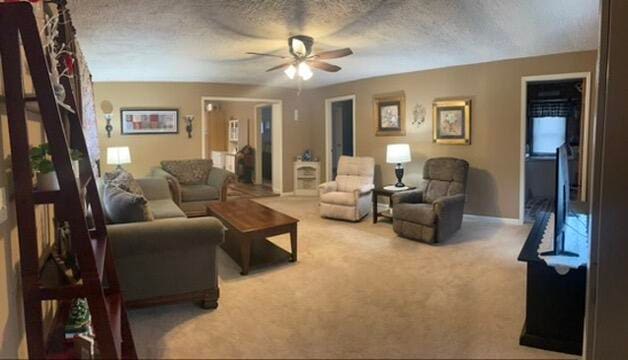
x: 76, y: 156
x: 43, y: 167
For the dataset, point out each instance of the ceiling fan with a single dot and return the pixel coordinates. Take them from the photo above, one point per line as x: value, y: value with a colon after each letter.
x: 301, y: 50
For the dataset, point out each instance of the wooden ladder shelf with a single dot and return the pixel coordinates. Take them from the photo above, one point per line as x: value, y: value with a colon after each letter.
x: 71, y: 202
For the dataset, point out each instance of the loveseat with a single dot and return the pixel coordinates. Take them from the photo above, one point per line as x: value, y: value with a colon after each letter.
x: 194, y: 183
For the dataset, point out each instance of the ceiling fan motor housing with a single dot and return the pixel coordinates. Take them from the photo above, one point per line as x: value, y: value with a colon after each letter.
x: 306, y: 40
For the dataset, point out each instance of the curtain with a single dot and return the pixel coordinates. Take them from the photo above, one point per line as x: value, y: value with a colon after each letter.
x: 90, y: 129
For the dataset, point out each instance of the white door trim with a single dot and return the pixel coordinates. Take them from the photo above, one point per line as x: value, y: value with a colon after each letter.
x: 584, y: 152
x: 277, y: 133
x: 328, y: 116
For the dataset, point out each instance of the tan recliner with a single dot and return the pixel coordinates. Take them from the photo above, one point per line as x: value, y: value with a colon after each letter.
x: 349, y: 196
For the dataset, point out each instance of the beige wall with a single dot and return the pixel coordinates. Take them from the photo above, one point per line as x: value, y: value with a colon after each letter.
x: 495, y: 90
x: 12, y: 336
x: 148, y: 150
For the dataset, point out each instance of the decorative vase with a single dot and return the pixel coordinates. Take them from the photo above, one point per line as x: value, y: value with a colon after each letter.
x: 47, y: 181
x: 76, y: 168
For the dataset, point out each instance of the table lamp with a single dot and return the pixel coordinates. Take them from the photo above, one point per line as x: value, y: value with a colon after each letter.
x: 398, y: 154
x: 118, y: 155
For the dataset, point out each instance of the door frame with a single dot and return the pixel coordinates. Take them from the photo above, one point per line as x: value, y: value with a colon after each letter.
x: 328, y: 117
x: 277, y: 133
x: 584, y: 132
x: 258, y: 140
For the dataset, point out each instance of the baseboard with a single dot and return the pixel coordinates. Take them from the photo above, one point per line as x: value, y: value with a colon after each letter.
x: 493, y: 219
x: 288, y: 193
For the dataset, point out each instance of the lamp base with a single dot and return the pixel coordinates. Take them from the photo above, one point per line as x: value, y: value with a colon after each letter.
x: 399, y: 175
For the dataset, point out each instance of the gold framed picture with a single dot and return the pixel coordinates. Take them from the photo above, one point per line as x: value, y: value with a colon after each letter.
x: 389, y: 112
x: 452, y: 122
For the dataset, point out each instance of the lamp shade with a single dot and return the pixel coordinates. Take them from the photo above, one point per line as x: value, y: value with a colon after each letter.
x: 398, y: 153
x: 118, y: 155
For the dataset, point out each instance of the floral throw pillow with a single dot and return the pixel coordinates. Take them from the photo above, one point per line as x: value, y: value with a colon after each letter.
x: 188, y: 172
x: 124, y: 180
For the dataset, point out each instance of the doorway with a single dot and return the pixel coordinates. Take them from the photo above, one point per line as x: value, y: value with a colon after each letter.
x: 555, y: 110
x: 247, y: 128
x: 340, y: 131
x: 266, y: 140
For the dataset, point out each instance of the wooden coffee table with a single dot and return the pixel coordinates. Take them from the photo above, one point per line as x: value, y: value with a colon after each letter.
x: 249, y: 224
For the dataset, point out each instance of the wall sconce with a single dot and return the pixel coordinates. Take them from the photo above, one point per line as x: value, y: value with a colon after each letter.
x: 188, y: 127
x: 108, y: 127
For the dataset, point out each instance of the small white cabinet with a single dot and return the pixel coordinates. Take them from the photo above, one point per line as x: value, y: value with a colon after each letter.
x: 306, y: 178
x: 230, y: 162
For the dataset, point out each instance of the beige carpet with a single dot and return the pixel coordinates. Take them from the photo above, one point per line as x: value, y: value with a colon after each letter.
x: 358, y: 291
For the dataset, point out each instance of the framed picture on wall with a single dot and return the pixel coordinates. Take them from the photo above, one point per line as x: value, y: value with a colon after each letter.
x: 389, y: 112
x: 149, y: 121
x: 452, y: 122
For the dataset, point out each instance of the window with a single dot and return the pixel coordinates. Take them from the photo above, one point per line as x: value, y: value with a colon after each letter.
x: 548, y: 133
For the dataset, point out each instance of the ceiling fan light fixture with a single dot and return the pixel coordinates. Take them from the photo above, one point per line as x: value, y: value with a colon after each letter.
x: 290, y: 71
x: 304, y: 71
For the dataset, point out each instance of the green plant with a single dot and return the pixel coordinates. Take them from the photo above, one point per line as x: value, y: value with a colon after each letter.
x: 41, y: 160
x: 76, y: 154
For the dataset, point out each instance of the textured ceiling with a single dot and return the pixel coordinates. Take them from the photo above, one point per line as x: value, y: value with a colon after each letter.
x: 185, y: 40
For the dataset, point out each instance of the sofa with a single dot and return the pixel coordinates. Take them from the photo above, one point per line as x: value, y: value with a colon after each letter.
x: 434, y: 212
x: 171, y: 258
x: 349, y: 196
x: 194, y: 183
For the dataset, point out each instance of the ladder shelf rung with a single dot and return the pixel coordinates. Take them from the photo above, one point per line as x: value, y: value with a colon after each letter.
x: 54, y: 283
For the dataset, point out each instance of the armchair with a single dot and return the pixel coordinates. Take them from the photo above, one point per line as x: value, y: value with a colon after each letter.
x: 349, y: 196
x: 435, y: 212
x: 194, y: 183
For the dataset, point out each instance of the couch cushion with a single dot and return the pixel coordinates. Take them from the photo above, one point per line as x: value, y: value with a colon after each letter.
x: 339, y: 198
x: 165, y: 209
x: 124, y: 180
x: 189, y: 172
x: 416, y: 213
x: 124, y: 207
x: 199, y: 193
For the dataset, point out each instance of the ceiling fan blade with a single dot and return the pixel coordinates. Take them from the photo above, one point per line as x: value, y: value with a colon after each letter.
x: 282, y: 66
x: 321, y: 65
x: 333, y: 54
x: 271, y: 55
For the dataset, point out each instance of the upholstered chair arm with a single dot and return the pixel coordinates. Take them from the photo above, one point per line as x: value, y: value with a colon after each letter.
x: 410, y: 196
x: 173, y: 182
x: 220, y: 179
x: 363, y: 190
x: 449, y: 211
x: 327, y: 187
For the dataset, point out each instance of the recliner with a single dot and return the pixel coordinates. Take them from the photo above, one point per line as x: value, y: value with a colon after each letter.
x: 433, y: 213
x: 349, y: 196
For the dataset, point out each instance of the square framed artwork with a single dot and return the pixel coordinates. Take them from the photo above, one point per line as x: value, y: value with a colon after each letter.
x: 389, y: 113
x: 452, y: 122
x: 149, y: 121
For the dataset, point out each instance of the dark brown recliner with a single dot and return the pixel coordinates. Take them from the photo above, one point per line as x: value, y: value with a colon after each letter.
x: 433, y: 213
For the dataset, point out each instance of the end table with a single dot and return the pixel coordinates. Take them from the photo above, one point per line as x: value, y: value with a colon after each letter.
x: 387, y: 192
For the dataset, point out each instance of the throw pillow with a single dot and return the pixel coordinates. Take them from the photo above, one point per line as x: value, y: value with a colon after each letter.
x: 125, y: 180
x: 189, y: 172
x: 125, y: 207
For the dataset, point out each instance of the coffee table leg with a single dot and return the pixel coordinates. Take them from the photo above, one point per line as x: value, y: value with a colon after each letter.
x: 245, y: 255
x: 293, y: 243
